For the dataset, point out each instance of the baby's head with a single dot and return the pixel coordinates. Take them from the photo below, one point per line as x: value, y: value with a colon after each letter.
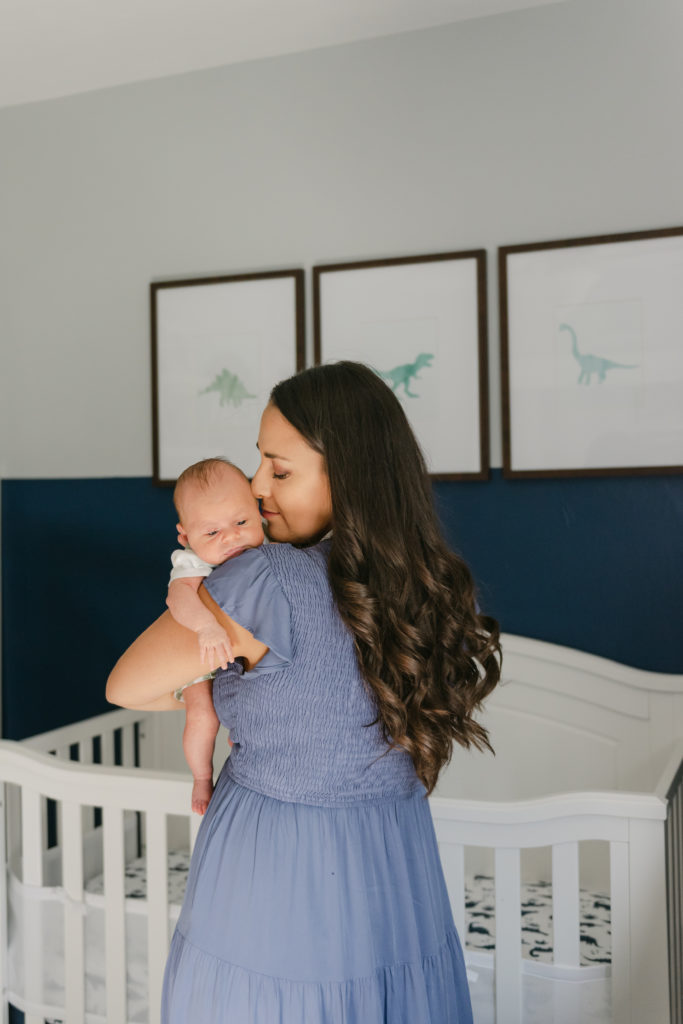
x: 219, y: 516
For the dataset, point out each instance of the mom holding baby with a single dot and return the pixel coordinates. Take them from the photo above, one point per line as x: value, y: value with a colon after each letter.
x: 315, y: 893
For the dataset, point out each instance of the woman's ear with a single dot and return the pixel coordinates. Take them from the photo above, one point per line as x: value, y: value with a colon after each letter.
x: 182, y: 536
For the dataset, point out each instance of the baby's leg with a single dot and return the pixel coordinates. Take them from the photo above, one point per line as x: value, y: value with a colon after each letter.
x: 201, y: 727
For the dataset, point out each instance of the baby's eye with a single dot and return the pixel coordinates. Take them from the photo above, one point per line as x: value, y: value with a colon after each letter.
x: 242, y: 522
x: 212, y: 533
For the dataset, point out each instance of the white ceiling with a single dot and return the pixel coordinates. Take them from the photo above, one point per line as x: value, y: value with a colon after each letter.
x: 51, y: 48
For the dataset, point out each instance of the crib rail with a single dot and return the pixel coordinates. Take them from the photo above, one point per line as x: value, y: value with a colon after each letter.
x: 633, y: 825
x: 43, y: 777
x: 79, y: 740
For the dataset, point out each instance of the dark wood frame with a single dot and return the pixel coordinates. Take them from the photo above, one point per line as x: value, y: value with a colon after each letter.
x: 503, y: 253
x: 479, y: 255
x: 157, y: 286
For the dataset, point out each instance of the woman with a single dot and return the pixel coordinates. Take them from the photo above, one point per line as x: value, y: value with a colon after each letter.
x: 316, y: 894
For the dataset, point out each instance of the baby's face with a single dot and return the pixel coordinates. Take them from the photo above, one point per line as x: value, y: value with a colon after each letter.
x: 222, y: 519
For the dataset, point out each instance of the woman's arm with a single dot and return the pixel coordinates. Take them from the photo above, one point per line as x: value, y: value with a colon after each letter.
x: 166, y: 656
x: 186, y: 607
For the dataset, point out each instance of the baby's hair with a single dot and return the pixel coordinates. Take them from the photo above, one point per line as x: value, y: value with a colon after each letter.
x: 203, y: 474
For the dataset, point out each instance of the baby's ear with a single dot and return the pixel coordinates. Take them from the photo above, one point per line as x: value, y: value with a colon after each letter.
x: 182, y: 536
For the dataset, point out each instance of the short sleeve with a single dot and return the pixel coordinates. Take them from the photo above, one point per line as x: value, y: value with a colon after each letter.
x: 247, y: 589
x: 187, y: 564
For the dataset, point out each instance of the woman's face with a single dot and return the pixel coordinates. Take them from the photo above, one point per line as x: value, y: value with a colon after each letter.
x: 291, y: 483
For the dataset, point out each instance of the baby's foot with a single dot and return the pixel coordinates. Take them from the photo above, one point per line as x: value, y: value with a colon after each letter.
x: 201, y: 794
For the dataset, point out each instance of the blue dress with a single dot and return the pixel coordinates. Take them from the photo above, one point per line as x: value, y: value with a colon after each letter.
x: 315, y: 893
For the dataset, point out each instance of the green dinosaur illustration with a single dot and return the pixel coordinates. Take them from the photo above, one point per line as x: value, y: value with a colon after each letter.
x: 229, y: 387
x: 402, y: 375
x: 593, y: 364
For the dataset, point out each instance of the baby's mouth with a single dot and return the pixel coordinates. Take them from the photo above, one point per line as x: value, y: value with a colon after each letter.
x: 234, y: 551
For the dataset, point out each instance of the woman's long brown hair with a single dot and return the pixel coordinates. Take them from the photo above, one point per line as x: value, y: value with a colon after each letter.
x: 429, y: 657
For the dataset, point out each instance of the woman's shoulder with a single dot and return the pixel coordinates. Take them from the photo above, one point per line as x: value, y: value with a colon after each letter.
x: 290, y: 563
x: 255, y: 566
x: 247, y: 570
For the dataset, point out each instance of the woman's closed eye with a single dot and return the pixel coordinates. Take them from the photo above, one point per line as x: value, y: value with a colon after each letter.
x: 280, y: 476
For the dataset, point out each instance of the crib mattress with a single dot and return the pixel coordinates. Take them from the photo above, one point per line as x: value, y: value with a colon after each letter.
x: 480, y: 911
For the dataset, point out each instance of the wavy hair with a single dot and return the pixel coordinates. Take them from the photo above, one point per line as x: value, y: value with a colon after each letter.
x: 427, y: 654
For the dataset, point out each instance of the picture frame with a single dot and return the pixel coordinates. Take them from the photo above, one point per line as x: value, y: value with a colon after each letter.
x: 219, y: 344
x: 591, y: 355
x: 417, y: 320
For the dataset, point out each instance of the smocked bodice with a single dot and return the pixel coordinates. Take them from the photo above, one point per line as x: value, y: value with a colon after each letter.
x: 301, y: 719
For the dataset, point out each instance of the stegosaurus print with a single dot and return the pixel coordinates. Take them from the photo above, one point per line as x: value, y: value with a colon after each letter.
x: 229, y: 387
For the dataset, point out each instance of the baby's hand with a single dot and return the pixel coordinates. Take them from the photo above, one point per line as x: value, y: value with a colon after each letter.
x: 214, y: 646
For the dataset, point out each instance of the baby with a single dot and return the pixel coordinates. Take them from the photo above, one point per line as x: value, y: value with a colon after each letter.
x: 219, y: 519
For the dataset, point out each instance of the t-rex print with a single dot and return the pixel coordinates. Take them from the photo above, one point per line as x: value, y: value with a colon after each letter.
x: 593, y: 364
x: 229, y: 387
x: 403, y: 374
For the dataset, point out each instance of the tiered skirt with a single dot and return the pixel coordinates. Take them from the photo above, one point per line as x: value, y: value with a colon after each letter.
x: 302, y: 914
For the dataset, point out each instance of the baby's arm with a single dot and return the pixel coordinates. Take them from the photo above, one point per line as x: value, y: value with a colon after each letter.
x: 186, y: 608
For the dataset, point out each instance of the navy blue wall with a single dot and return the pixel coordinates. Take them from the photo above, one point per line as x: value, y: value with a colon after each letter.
x: 84, y: 569
x: 590, y: 563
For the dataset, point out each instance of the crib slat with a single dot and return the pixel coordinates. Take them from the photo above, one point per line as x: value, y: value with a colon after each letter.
x: 453, y: 863
x: 74, y: 940
x: 4, y: 855
x: 63, y: 754
x: 115, y: 916
x: 45, y: 829
x: 128, y: 745
x: 508, y: 937
x: 84, y: 755
x: 566, y: 916
x: 107, y: 747
x: 621, y: 944
x: 674, y: 856
x: 157, y: 908
x: 32, y: 838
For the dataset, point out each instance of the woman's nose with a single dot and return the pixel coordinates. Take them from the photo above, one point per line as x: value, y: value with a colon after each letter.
x: 258, y: 483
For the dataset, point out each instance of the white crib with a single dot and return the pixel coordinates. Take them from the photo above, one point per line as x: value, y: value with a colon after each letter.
x: 586, y: 791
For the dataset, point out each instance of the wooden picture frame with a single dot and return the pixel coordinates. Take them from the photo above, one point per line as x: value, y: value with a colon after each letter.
x: 417, y: 320
x: 592, y: 355
x: 219, y: 344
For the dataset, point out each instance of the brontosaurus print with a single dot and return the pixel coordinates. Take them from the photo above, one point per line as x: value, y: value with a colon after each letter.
x: 229, y: 387
x: 402, y: 375
x: 593, y: 364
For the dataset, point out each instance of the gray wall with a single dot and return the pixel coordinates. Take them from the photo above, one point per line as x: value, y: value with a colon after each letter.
x: 546, y: 123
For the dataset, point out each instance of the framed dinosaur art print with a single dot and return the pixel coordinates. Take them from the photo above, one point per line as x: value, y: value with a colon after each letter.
x: 420, y: 323
x: 592, y: 355
x: 219, y: 344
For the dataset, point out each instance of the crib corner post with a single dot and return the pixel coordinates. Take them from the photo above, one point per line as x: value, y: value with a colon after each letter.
x: 648, y: 925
